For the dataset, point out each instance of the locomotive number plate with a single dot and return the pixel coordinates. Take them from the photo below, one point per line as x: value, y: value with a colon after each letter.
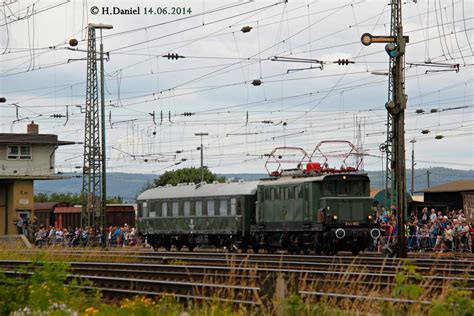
x: 351, y: 223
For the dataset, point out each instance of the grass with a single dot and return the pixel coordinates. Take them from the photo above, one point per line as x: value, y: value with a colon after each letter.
x: 45, y: 293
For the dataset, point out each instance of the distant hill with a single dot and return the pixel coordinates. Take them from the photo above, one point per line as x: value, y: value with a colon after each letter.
x: 128, y: 185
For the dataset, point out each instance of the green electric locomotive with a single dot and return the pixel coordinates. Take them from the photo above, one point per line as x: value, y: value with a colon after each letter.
x: 324, y: 213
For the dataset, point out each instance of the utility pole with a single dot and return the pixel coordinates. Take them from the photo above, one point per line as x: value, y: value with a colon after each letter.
x: 94, y: 191
x: 428, y: 177
x: 396, y: 104
x: 202, y: 154
x: 413, y: 141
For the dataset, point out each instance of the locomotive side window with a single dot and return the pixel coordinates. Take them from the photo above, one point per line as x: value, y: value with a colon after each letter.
x: 268, y: 195
x: 198, y: 208
x: 210, y: 207
x: 291, y: 193
x: 299, y: 192
x: 223, y: 207
x: 187, y: 208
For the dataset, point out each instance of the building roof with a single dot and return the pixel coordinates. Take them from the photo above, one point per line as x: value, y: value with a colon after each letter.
x: 30, y: 177
x: 203, y: 190
x: 25, y: 138
x: 110, y: 208
x: 453, y: 186
x: 40, y: 206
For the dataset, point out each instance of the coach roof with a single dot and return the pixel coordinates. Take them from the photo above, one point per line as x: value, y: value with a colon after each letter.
x: 200, y: 190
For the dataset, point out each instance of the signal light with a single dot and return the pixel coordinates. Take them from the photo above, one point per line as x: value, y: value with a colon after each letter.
x: 246, y: 29
x: 392, y: 50
x: 334, y: 217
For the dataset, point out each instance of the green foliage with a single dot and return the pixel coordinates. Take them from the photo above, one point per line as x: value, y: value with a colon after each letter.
x: 71, y: 198
x: 404, y: 287
x: 186, y: 175
x: 46, y: 291
x: 457, y: 303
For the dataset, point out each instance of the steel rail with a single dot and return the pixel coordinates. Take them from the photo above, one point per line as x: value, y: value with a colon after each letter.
x: 259, y: 270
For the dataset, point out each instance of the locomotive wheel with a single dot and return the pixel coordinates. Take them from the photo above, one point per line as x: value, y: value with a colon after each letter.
x: 306, y: 252
x: 167, y: 247
x: 355, y: 252
x: 178, y: 247
x: 255, y: 249
x: 191, y: 247
x: 317, y: 251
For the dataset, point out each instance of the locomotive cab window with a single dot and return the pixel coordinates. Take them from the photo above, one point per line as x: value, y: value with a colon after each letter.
x: 343, y: 188
x: 329, y: 188
x: 358, y: 188
x: 233, y: 206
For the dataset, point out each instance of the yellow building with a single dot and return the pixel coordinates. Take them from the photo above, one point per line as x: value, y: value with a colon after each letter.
x: 23, y: 159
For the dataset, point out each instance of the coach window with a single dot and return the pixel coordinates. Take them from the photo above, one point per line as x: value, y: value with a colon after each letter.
x: 233, y: 206
x: 175, y: 209
x: 222, y: 207
x: 210, y: 208
x: 164, y: 209
x: 198, y: 208
x: 158, y: 209
x: 145, y: 209
x: 187, y: 208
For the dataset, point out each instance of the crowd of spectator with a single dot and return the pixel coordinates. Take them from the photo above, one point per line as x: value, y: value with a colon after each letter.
x: 427, y: 231
x: 115, y: 236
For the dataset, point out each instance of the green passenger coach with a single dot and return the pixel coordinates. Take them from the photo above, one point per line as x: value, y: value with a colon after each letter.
x: 216, y: 214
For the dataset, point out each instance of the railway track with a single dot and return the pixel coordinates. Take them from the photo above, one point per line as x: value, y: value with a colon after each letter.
x: 243, y: 277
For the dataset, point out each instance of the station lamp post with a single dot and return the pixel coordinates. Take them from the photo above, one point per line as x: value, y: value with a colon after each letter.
x: 202, y: 154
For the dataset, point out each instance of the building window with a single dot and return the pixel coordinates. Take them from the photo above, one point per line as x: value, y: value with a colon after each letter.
x: 19, y: 152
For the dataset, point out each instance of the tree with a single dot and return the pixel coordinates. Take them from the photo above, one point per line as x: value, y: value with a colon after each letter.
x: 186, y: 175
x: 71, y: 198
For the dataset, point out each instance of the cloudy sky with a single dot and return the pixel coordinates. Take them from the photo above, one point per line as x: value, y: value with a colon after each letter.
x: 297, y: 104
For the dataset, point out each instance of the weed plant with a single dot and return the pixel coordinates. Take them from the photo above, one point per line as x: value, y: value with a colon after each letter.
x: 46, y: 288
